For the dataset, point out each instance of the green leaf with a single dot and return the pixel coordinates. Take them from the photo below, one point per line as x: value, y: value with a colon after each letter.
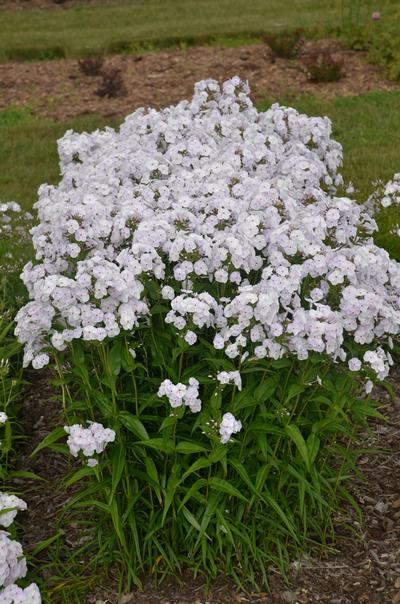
x: 133, y: 424
x: 104, y: 403
x: 199, y: 464
x: 223, y: 486
x: 158, y: 444
x: 294, y: 390
x: 191, y: 519
x: 296, y: 436
x: 117, y: 468
x: 313, y: 444
x: 187, y: 447
x: 115, y: 358
x: 78, y: 475
x: 25, y: 474
x: 153, y: 474
x: 194, y: 492
x: 45, y: 544
x: 172, y: 485
x: 115, y: 516
x: 51, y: 438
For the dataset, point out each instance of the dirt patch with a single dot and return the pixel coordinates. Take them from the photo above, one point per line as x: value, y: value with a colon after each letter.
x: 59, y: 90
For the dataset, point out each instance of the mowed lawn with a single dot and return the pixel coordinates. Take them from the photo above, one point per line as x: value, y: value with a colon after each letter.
x: 368, y: 126
x: 122, y: 25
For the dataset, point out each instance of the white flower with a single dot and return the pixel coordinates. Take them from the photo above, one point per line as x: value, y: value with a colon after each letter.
x: 228, y: 426
x: 180, y: 395
x: 369, y: 386
x: 91, y: 440
x: 354, y: 364
x: 190, y: 337
x: 234, y: 214
x: 12, y: 561
x: 11, y: 503
x: 3, y: 417
x: 227, y: 377
x: 17, y: 595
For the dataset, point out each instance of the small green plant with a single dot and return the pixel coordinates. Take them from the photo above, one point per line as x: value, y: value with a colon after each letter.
x: 284, y: 44
x: 323, y: 67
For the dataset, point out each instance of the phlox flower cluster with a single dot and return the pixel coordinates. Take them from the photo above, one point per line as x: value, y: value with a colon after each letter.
x: 180, y: 395
x: 12, y: 560
x: 91, y: 440
x: 235, y: 214
x: 9, y: 507
x: 391, y: 192
x: 17, y: 595
x: 230, y: 377
x: 228, y: 426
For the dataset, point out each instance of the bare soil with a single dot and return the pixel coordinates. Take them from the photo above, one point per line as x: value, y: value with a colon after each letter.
x: 362, y: 568
x: 59, y: 90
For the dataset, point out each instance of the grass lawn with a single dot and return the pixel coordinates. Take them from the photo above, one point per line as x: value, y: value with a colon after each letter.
x: 124, y: 25
x: 368, y: 126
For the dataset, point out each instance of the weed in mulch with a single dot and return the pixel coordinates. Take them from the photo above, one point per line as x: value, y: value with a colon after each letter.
x: 285, y: 44
x: 323, y: 67
x: 112, y: 84
x: 91, y: 66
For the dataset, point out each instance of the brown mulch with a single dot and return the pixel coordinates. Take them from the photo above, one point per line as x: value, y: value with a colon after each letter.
x: 59, y: 90
x: 47, y: 4
x: 365, y: 568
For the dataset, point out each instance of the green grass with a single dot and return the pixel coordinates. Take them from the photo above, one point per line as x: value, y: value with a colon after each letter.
x: 368, y: 126
x: 126, y: 25
x: 29, y: 151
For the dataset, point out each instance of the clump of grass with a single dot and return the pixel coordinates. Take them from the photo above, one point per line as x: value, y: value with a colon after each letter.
x: 32, y: 53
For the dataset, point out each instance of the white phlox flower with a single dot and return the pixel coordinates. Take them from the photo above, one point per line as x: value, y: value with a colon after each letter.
x: 9, y: 507
x: 228, y: 426
x: 18, y: 595
x: 89, y: 441
x: 12, y: 560
x: 180, y: 395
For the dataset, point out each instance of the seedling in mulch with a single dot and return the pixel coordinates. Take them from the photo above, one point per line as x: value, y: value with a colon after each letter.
x: 285, y: 45
x: 323, y: 67
x: 91, y: 66
x: 112, y: 84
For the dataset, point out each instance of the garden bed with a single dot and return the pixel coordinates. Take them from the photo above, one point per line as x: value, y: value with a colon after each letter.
x: 59, y: 90
x: 363, y: 569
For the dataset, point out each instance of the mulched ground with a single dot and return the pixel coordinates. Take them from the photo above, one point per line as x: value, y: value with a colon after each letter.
x: 59, y: 90
x: 364, y: 570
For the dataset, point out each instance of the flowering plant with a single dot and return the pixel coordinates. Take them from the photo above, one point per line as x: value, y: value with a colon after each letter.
x: 207, y: 292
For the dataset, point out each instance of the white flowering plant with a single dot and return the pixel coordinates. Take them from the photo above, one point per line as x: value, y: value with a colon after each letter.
x: 217, y: 312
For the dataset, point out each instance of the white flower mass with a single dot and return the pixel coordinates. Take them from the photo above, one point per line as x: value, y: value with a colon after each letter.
x: 12, y: 560
x: 9, y: 507
x: 91, y: 440
x: 180, y: 395
x: 210, y: 192
x: 228, y: 426
x: 17, y: 595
